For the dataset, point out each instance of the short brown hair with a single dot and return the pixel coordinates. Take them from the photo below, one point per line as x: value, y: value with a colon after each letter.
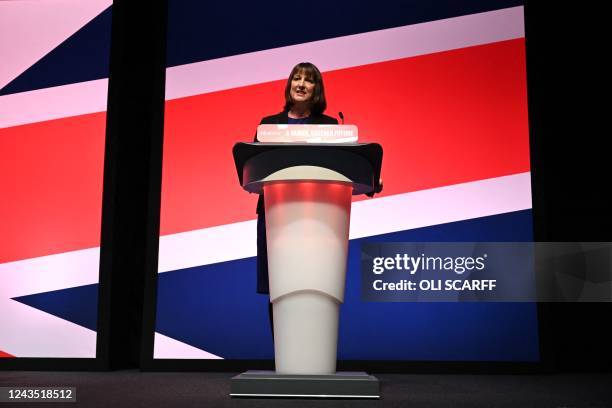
x: 318, y: 104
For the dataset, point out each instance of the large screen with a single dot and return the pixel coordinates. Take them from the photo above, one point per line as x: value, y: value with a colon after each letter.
x: 441, y: 86
x: 53, y: 95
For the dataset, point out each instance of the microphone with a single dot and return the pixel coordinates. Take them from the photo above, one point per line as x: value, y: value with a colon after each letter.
x: 341, y: 117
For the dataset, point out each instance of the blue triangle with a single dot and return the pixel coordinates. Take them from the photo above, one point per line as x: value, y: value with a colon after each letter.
x: 215, y: 308
x: 78, y: 305
x: 84, y: 56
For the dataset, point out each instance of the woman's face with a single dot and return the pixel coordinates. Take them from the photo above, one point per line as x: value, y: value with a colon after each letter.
x: 302, y: 87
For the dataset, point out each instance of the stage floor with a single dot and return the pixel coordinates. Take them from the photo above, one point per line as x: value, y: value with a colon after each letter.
x: 131, y: 388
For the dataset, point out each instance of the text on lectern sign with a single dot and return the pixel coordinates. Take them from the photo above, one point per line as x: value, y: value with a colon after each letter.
x: 307, y: 133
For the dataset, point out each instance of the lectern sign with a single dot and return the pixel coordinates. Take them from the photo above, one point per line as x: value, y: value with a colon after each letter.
x: 307, y: 133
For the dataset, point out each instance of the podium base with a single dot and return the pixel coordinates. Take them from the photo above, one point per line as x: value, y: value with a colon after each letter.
x: 268, y: 384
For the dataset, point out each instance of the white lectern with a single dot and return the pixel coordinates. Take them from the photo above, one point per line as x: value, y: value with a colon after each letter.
x: 307, y: 190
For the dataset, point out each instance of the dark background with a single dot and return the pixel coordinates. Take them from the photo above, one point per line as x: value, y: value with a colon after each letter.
x: 570, y: 161
x: 566, y: 76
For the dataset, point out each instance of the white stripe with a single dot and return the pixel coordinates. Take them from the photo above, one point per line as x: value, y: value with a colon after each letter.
x: 207, y: 246
x: 167, y: 347
x: 48, y: 273
x: 345, y: 52
x: 29, y: 332
x: 441, y: 205
x: 53, y: 103
x: 370, y: 217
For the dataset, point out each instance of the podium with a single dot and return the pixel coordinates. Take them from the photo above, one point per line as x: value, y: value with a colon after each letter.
x: 307, y: 191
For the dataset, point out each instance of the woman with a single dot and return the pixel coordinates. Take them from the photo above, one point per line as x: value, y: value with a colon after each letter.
x: 304, y: 104
x: 304, y: 99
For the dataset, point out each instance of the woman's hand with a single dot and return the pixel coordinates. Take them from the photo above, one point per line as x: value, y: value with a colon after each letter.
x: 377, y: 190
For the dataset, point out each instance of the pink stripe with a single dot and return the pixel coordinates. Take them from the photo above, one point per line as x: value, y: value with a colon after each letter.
x: 344, y: 52
x: 53, y: 103
x: 31, y: 29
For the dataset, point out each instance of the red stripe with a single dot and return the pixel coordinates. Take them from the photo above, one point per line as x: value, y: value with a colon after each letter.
x: 442, y: 119
x: 5, y: 355
x: 51, y: 178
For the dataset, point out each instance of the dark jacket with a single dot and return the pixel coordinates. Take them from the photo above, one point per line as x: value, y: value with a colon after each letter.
x: 315, y: 119
x: 262, y: 249
x: 281, y: 119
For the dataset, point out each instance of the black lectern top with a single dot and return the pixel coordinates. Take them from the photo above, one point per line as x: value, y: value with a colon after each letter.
x: 359, y: 162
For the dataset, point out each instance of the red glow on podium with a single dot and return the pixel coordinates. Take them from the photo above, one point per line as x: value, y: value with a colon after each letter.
x: 332, y: 192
